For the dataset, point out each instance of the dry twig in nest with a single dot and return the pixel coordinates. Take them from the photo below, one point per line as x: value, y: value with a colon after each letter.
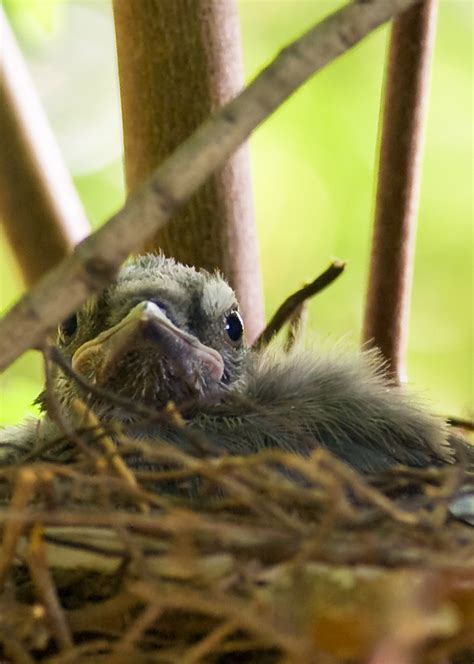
x: 270, y: 558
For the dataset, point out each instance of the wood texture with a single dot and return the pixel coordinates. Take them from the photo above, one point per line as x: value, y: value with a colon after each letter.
x: 41, y: 213
x: 179, y: 62
x: 393, y: 246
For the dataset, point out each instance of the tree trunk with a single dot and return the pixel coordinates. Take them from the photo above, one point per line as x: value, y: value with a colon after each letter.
x: 178, y: 62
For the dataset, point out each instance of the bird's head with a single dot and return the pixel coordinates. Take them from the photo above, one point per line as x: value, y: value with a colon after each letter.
x: 162, y: 331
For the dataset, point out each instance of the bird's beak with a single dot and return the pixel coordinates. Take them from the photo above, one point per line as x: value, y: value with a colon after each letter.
x: 144, y: 326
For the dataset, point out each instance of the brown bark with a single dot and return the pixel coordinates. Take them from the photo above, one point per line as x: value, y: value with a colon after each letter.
x: 40, y: 210
x: 179, y: 62
x: 96, y: 260
x: 406, y: 97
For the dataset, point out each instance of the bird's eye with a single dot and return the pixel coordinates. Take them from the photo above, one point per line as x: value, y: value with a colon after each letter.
x: 234, y: 326
x: 68, y: 327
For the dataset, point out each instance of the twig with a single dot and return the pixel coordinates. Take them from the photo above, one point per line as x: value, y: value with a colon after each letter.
x: 24, y: 489
x: 144, y: 621
x: 248, y: 615
x: 206, y: 645
x: 296, y: 326
x: 43, y: 582
x: 461, y: 423
x: 89, y: 419
x: 14, y: 648
x: 55, y: 411
x: 96, y: 260
x: 291, y: 304
x: 406, y: 98
x: 40, y: 209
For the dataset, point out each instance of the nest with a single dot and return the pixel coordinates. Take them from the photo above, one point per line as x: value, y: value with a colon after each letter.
x: 264, y: 558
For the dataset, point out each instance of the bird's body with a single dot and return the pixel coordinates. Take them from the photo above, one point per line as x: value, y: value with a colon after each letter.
x: 165, y: 332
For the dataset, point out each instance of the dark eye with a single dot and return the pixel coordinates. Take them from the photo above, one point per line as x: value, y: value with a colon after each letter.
x: 68, y: 327
x: 234, y: 326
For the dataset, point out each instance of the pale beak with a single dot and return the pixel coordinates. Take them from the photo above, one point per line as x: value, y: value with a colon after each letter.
x: 145, y: 326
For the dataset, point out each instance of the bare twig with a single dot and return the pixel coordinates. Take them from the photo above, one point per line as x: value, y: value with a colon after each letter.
x: 39, y: 207
x: 206, y: 645
x: 55, y: 410
x: 41, y: 575
x: 286, y: 310
x: 296, y: 326
x: 144, y: 621
x: 97, y: 259
x: 89, y: 419
x: 13, y: 648
x: 406, y: 97
x: 461, y: 423
x: 24, y: 489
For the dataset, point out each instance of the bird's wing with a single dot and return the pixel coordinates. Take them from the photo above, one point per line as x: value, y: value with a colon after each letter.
x: 342, y: 403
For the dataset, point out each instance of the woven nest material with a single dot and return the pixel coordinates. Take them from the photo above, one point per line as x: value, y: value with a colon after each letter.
x: 267, y: 558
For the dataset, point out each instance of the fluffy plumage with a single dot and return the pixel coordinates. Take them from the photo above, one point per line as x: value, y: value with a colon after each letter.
x: 164, y: 331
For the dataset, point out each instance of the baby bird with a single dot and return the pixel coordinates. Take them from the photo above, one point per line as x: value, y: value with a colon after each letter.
x: 166, y: 332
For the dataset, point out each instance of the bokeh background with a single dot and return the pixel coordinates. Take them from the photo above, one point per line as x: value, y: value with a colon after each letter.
x: 313, y: 166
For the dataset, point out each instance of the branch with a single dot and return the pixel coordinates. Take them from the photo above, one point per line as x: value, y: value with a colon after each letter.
x: 286, y: 310
x: 188, y: 65
x: 460, y: 423
x: 96, y: 260
x: 297, y: 326
x: 406, y: 97
x: 39, y: 207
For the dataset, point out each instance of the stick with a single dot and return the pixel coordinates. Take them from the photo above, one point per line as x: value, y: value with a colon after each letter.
x: 96, y: 260
x: 46, y: 590
x: 406, y: 97
x: 291, y: 304
x: 39, y: 207
x: 24, y: 489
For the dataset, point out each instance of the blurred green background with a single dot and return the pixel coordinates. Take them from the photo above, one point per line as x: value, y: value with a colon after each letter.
x: 313, y: 165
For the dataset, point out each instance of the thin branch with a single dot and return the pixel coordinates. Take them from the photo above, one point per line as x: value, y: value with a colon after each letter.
x: 405, y: 105
x: 39, y: 207
x: 23, y: 492
x: 96, y: 260
x: 286, y: 310
x: 297, y: 326
x: 90, y: 420
x: 461, y: 423
x: 46, y: 590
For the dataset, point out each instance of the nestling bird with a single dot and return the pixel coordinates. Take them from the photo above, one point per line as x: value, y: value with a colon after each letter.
x: 166, y: 332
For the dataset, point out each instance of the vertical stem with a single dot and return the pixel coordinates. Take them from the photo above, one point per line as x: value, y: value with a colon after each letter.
x: 41, y: 213
x: 405, y: 104
x: 179, y: 61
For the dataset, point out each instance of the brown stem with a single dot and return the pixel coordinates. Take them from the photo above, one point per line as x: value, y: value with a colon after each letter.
x: 96, y: 260
x: 46, y: 590
x: 23, y: 492
x: 296, y: 326
x: 39, y: 207
x: 405, y: 104
x: 286, y: 310
x: 461, y: 423
x: 189, y: 64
